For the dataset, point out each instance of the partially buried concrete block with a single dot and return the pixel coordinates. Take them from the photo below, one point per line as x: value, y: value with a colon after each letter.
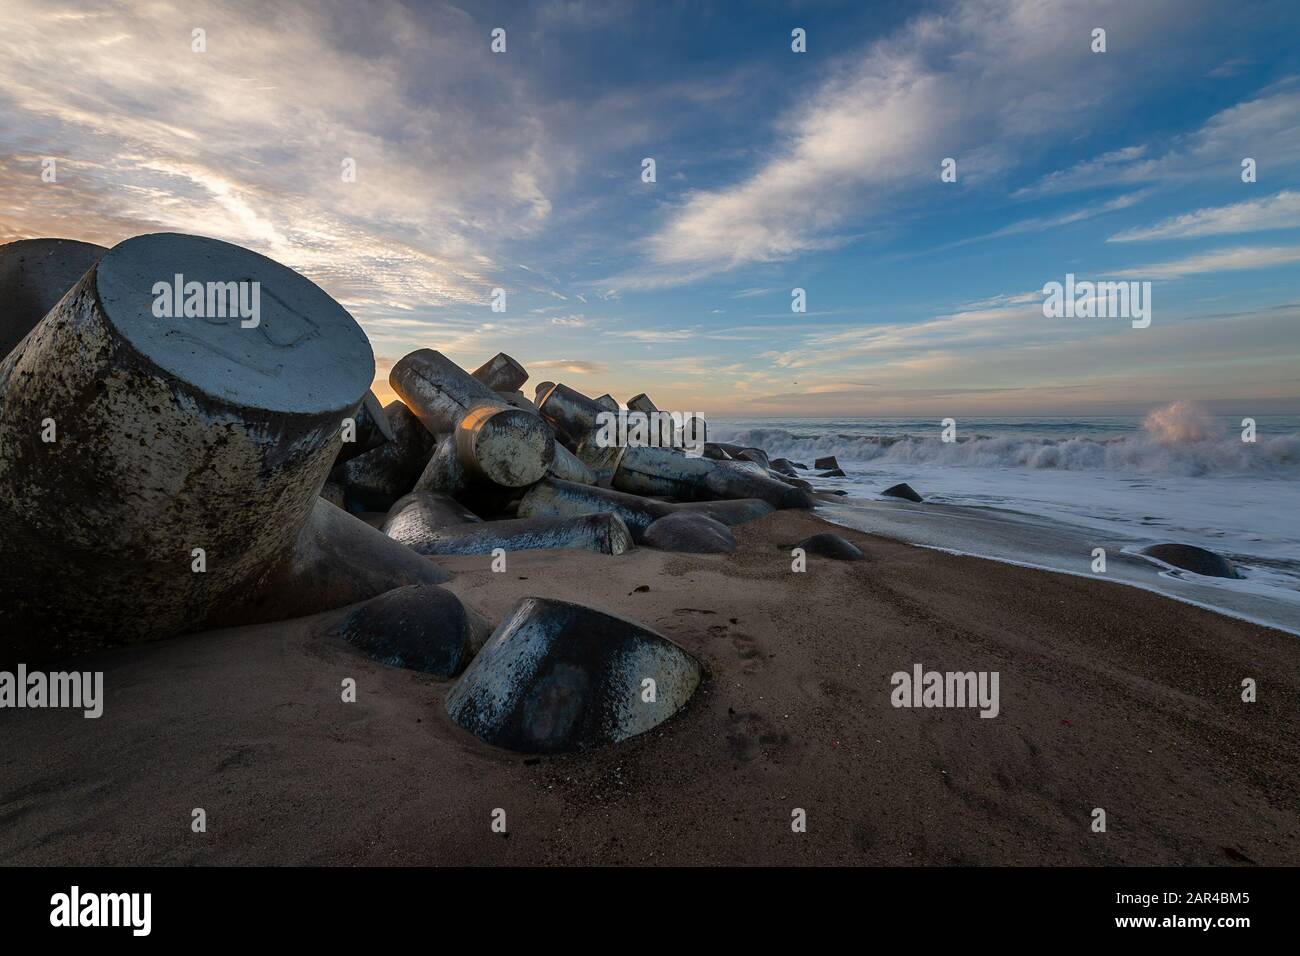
x: 421, y: 628
x: 557, y: 677
x: 336, y: 560
x: 417, y: 516
x: 827, y: 462
x: 1188, y: 557
x: 501, y: 373
x: 553, y: 498
x: 34, y: 275
x: 690, y: 533
x: 602, y: 533
x: 900, y: 490
x: 829, y: 545
x: 187, y: 450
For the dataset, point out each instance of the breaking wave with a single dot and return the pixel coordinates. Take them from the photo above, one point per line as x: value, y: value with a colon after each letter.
x: 1180, y: 439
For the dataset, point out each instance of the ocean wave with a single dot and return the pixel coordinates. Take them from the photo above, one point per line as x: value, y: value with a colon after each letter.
x: 1163, y: 448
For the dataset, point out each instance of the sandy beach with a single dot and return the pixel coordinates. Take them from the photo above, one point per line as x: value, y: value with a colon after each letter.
x: 1111, y: 697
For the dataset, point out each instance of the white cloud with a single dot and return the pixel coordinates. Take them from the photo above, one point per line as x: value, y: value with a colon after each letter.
x: 1280, y: 211
x: 944, y: 85
x: 1219, y: 260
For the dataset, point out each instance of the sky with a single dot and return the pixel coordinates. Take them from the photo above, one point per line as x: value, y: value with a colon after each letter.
x: 774, y: 170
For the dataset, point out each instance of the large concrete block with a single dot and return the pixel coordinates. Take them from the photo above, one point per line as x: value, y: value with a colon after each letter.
x: 558, y: 677
x: 173, y: 434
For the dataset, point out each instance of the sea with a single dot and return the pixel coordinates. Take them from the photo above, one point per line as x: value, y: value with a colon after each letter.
x: 1048, y: 492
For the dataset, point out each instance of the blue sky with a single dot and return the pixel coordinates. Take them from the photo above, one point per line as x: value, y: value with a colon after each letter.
x: 774, y: 170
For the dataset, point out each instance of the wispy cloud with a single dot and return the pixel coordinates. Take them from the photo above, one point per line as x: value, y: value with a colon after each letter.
x: 1280, y: 211
x: 1220, y: 260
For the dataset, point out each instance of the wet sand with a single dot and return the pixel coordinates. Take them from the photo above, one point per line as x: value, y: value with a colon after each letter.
x: 1111, y: 697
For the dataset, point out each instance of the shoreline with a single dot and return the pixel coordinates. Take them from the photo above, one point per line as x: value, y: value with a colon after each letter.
x: 1111, y: 697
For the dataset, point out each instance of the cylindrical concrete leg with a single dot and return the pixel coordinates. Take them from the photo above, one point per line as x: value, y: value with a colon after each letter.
x: 571, y: 412
x: 507, y: 446
x: 604, y: 533
x: 501, y: 373
x: 641, y: 403
x: 607, y: 402
x: 661, y: 471
x: 438, y: 390
x: 540, y: 392
x: 153, y: 467
x: 565, y: 499
x: 569, y: 467
x: 34, y: 275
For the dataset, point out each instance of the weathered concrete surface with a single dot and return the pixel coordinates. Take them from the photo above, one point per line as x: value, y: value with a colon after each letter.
x: 900, y: 490
x: 172, y: 435
x: 374, y: 480
x: 34, y: 275
x: 569, y: 467
x: 642, y: 403
x: 601, y: 459
x: 570, y: 413
x: 1188, y: 557
x: 420, y: 627
x: 438, y: 390
x: 443, y: 472
x: 554, y: 498
x: 830, y: 473
x: 602, y: 533
x: 517, y: 400
x: 501, y: 373
x: 607, y: 402
x: 558, y: 677
x: 662, y: 471
x: 828, y: 545
x: 494, y: 442
x: 417, y: 516
x: 690, y: 533
x: 336, y: 560
x: 756, y: 455
x: 785, y: 466
x: 715, y: 452
x: 733, y: 511
x: 371, y: 429
x: 507, y: 446
x: 541, y: 391
x: 827, y: 462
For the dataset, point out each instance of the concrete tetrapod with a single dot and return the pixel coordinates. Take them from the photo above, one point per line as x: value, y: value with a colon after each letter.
x: 34, y: 275
x: 495, y: 442
x: 557, y: 677
x: 193, y: 448
x: 421, y: 628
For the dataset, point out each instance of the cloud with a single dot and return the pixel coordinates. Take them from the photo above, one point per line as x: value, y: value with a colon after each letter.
x: 950, y: 84
x: 1220, y: 260
x: 573, y: 366
x: 1280, y: 211
x: 1266, y: 128
x: 246, y: 141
